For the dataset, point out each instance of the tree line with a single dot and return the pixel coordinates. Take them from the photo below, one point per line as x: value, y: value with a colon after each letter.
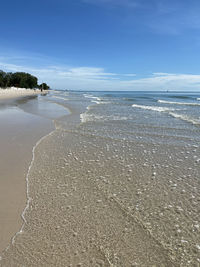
x: 20, y: 80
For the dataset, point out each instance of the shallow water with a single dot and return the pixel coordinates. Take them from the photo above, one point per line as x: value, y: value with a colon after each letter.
x: 23, y: 121
x: 19, y: 132
x: 120, y: 187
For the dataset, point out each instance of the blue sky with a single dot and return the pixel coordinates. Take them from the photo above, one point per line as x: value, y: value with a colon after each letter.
x: 104, y: 44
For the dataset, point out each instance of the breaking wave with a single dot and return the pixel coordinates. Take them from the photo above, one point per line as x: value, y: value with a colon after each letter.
x: 179, y: 103
x: 153, y: 108
x: 185, y: 118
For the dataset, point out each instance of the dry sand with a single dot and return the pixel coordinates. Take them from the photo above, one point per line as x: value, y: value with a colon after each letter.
x: 17, y: 92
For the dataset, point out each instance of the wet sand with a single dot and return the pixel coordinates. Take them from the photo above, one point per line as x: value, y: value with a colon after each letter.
x: 71, y: 220
x: 19, y: 132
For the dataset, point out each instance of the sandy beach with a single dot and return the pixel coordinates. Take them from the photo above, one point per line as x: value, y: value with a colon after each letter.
x: 13, y: 92
x: 19, y: 132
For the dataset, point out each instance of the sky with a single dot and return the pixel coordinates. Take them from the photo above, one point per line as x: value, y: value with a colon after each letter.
x: 104, y: 44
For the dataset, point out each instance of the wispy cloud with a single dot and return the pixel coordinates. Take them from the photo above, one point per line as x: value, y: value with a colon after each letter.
x: 87, y: 72
x: 114, y: 3
x: 130, y: 75
x: 90, y: 78
x: 60, y: 74
x: 166, y: 81
x: 159, y: 16
x: 175, y: 22
x: 174, y: 17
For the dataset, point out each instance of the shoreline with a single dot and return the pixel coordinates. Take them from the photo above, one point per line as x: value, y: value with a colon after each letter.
x: 20, y: 133
x: 28, y: 198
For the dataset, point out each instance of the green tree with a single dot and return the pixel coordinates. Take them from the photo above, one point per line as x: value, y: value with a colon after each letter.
x: 7, y: 79
x: 2, y: 74
x: 4, y: 79
x: 20, y: 79
x: 44, y: 86
x: 23, y: 80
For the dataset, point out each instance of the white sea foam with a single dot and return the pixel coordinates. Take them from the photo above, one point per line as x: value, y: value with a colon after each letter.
x: 82, y: 117
x: 185, y: 118
x: 100, y: 102
x: 56, y: 92
x: 96, y: 99
x: 179, y: 103
x: 153, y: 108
x: 86, y: 117
x: 97, y: 102
x: 62, y: 98
x: 198, y: 98
x: 169, y: 111
x: 92, y: 97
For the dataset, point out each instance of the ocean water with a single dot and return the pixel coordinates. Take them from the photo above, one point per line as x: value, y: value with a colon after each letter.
x: 154, y: 139
x: 117, y: 183
x: 158, y: 117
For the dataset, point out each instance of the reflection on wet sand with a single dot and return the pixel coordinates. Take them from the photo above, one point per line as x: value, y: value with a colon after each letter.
x: 19, y: 132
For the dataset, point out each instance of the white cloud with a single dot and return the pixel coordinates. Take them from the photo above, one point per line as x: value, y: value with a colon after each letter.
x: 87, y: 72
x: 90, y: 78
x: 130, y: 75
x: 166, y: 81
x: 161, y: 74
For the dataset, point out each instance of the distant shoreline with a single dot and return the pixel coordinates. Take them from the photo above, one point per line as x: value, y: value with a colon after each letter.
x: 14, y: 92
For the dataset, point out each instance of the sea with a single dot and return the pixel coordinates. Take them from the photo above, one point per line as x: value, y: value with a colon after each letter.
x: 153, y: 117
x: 159, y: 117
x: 157, y: 137
x: 122, y: 169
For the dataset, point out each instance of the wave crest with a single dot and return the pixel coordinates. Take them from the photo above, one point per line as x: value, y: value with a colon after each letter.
x: 178, y: 103
x: 185, y: 118
x: 153, y: 108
